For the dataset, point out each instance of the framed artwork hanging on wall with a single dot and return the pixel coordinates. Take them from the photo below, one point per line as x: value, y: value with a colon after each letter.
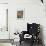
x: 20, y: 14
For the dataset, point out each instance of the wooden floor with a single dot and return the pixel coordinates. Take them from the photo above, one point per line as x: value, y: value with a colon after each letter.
x: 27, y: 44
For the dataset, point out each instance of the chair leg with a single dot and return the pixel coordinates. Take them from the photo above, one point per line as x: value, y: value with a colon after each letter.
x: 20, y: 42
x: 32, y: 42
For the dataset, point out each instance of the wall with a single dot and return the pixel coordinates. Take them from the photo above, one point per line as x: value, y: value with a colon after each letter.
x: 3, y: 1
x: 34, y: 11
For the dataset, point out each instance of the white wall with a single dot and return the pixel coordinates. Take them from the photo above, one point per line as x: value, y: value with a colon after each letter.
x: 34, y: 11
x: 3, y: 1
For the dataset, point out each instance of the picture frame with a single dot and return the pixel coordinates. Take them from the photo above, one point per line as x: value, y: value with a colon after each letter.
x: 20, y: 13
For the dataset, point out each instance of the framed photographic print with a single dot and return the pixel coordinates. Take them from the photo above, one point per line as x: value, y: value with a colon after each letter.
x: 20, y: 14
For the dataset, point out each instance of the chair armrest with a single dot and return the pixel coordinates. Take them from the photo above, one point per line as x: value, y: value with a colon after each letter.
x: 22, y: 35
x: 24, y: 32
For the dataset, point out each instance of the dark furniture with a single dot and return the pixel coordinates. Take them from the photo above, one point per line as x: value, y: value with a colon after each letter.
x: 42, y: 1
x: 33, y: 30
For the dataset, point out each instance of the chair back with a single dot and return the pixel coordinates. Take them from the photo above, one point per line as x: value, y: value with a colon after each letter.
x: 33, y: 28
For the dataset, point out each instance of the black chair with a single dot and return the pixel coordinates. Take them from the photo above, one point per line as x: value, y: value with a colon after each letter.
x: 32, y: 29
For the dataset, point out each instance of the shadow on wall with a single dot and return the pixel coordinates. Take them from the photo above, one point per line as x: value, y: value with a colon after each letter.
x: 41, y: 34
